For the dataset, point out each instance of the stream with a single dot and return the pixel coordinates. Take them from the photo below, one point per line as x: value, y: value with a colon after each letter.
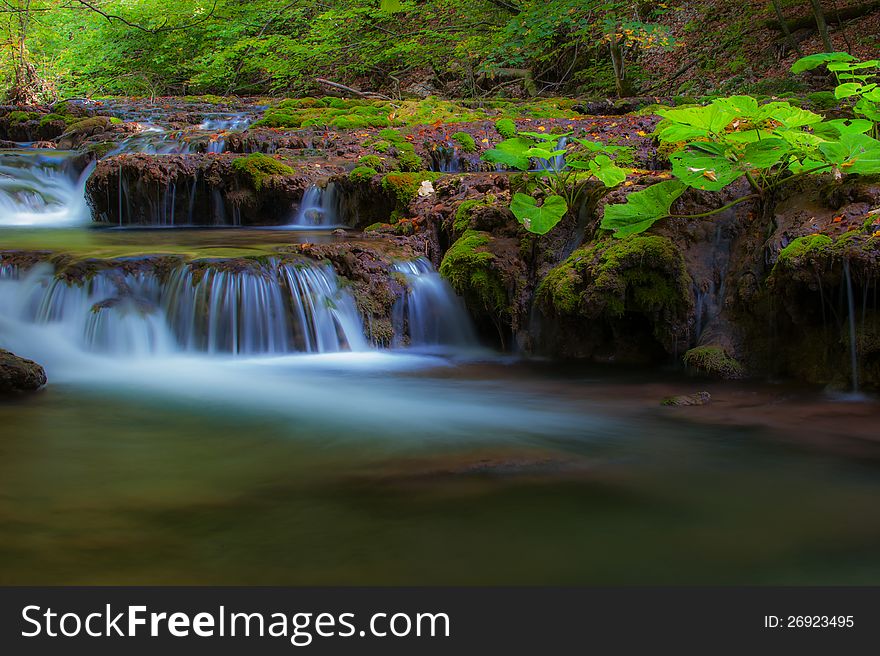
x: 244, y: 427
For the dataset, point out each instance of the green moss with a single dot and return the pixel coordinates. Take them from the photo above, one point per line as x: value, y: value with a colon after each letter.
x: 470, y: 270
x: 381, y: 146
x: 115, y: 120
x: 465, y: 141
x: 405, y: 186
x: 642, y: 274
x: 506, y: 128
x: 463, y: 212
x: 362, y: 174
x: 373, y: 161
x: 21, y: 117
x: 376, y: 227
x: 810, y: 245
x: 260, y: 167
x: 48, y: 118
x: 713, y: 360
x: 407, y: 160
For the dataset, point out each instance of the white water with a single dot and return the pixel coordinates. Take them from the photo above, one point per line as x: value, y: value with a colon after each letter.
x: 430, y: 314
x: 42, y: 188
x: 318, y: 208
x: 271, y: 309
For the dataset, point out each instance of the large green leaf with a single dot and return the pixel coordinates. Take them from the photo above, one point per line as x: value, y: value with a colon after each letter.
x: 868, y: 109
x: 848, y: 89
x: 642, y: 208
x: 675, y: 132
x: 714, y: 117
x: 765, y: 154
x: 390, y: 6
x: 832, y: 130
x: 510, y: 152
x: 810, y: 62
x: 854, y: 153
x: 607, y: 171
x: 744, y: 106
x: 538, y: 219
x: 789, y: 116
x: 704, y: 171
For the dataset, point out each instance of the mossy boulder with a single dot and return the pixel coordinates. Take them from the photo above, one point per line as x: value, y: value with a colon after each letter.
x: 469, y: 266
x: 465, y: 142
x: 404, y: 187
x: 362, y: 174
x: 261, y: 168
x: 621, y: 291
x: 713, y: 361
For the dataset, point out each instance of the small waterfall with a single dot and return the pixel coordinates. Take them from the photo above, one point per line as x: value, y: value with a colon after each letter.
x: 430, y: 314
x: 270, y: 308
x: 226, y: 123
x: 853, y: 345
x: 319, y: 208
x: 42, y: 188
x: 557, y: 163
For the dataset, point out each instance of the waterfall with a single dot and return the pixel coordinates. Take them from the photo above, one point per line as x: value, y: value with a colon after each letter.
x: 319, y: 208
x: 556, y: 163
x: 270, y: 308
x: 41, y: 188
x: 853, y: 346
x: 429, y: 314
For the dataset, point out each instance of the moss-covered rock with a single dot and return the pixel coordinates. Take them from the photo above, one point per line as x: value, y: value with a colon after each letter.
x: 465, y: 142
x: 613, y: 286
x: 260, y: 168
x: 468, y: 266
x: 404, y: 187
x: 714, y: 361
x: 362, y: 174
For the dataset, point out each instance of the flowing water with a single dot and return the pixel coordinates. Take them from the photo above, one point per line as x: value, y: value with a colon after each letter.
x: 319, y: 208
x: 226, y: 423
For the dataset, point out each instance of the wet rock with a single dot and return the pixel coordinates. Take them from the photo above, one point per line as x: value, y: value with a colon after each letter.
x: 698, y: 398
x: 193, y: 190
x: 19, y: 375
x: 713, y: 361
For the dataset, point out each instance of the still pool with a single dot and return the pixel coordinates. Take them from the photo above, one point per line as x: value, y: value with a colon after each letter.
x: 410, y: 468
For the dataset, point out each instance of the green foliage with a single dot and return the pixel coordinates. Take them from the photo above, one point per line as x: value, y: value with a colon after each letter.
x: 736, y: 137
x: 362, y: 174
x: 260, y: 168
x: 642, y: 208
x: 858, y: 82
x: 563, y: 183
x: 506, y: 128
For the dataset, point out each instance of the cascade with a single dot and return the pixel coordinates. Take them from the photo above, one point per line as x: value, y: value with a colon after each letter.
x: 430, y: 314
x: 319, y: 208
x: 271, y: 308
x: 42, y: 188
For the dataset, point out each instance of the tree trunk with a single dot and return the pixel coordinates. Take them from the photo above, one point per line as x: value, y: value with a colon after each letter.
x: 822, y: 25
x: 617, y: 64
x: 794, y: 44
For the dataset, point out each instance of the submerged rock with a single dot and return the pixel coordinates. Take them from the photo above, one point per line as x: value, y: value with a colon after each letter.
x: 698, y: 398
x: 19, y: 374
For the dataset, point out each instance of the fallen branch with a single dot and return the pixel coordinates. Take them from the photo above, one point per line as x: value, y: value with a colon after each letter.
x: 342, y: 87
